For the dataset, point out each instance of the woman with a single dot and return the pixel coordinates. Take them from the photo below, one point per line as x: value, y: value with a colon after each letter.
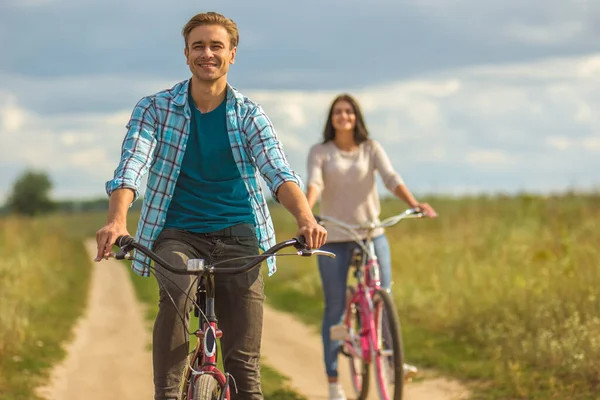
x: 341, y: 170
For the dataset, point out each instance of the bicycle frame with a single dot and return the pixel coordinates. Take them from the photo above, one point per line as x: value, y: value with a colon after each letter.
x: 204, y: 357
x: 368, y: 281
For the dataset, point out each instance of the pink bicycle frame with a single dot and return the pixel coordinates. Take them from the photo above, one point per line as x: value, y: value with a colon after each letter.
x: 368, y: 283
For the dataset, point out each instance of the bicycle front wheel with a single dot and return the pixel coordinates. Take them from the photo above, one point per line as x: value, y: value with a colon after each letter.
x: 207, y: 388
x: 389, y: 357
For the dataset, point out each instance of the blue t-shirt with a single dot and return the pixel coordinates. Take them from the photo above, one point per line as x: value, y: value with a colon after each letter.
x: 210, y: 194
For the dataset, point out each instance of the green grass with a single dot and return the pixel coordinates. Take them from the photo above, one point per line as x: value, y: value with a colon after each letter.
x: 44, y: 277
x: 501, y: 292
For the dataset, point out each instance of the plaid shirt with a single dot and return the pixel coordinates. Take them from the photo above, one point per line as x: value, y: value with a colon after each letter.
x: 155, y: 142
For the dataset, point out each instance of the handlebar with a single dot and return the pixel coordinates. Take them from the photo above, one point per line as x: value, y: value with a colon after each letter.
x: 390, y: 221
x: 196, y: 266
x: 370, y: 225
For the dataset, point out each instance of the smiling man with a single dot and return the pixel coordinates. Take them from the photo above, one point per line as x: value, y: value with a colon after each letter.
x: 204, y: 145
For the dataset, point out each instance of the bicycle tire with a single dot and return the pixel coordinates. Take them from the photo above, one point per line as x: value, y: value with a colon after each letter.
x: 207, y: 388
x: 187, y: 388
x: 389, y: 334
x: 359, y: 369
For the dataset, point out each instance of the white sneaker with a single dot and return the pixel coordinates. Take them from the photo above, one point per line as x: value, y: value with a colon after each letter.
x: 336, y: 391
x: 410, y: 371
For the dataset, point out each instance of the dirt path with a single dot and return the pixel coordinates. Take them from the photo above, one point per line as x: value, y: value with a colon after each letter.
x: 109, y: 356
x: 295, y: 350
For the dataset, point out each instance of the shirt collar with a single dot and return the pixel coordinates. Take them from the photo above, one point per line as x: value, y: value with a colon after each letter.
x: 181, y: 96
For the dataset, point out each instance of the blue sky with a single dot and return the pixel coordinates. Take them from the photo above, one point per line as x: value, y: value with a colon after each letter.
x: 466, y: 96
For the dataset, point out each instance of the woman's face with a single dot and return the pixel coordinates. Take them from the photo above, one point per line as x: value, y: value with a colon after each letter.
x: 343, y: 117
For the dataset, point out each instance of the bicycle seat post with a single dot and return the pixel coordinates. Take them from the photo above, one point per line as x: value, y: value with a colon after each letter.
x: 356, y: 260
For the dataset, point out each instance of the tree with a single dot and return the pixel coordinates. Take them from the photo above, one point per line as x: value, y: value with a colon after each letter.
x: 31, y: 194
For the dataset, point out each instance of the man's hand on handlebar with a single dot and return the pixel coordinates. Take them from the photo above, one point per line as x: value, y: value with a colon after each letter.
x: 315, y: 234
x: 106, y: 237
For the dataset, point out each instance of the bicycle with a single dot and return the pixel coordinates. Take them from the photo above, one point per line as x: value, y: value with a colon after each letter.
x: 202, y: 379
x: 371, y: 330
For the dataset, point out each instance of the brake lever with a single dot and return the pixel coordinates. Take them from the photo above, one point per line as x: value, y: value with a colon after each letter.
x: 312, y: 252
x: 121, y: 255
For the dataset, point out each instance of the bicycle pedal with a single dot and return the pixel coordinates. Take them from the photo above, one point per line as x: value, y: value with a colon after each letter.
x: 343, y: 351
x: 339, y: 332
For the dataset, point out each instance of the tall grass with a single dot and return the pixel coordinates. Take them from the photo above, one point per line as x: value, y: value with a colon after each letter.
x: 500, y: 289
x: 503, y: 291
x: 44, y: 277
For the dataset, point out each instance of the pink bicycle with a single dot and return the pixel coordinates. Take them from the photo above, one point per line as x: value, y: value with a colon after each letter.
x: 202, y: 379
x: 371, y: 331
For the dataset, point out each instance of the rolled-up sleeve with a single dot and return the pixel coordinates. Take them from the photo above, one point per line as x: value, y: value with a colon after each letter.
x: 314, y: 166
x: 267, y: 152
x: 391, y: 179
x: 137, y: 149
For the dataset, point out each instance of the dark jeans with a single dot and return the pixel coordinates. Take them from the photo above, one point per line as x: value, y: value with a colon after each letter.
x: 238, y: 305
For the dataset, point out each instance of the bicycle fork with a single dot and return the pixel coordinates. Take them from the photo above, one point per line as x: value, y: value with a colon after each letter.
x: 204, y: 358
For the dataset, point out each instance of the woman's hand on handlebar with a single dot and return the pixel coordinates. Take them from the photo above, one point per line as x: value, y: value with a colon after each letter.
x: 426, y: 209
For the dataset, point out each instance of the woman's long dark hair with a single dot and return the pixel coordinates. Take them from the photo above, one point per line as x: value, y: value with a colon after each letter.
x: 361, y: 133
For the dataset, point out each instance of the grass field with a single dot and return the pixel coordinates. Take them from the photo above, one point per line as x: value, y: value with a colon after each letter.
x: 501, y: 292
x: 44, y: 276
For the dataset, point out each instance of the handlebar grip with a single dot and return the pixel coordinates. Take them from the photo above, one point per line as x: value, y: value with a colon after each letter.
x: 124, y: 240
x: 121, y: 255
x: 301, y: 242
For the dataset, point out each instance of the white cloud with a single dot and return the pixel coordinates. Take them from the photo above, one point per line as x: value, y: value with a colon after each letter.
x: 484, y: 157
x: 591, y: 143
x: 12, y: 118
x: 528, y: 125
x: 522, y: 120
x: 559, y: 142
x: 534, y: 22
x: 550, y: 34
x: 31, y: 3
x: 77, y: 150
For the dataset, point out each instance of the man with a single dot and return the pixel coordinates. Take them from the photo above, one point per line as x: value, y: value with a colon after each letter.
x: 203, y: 144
